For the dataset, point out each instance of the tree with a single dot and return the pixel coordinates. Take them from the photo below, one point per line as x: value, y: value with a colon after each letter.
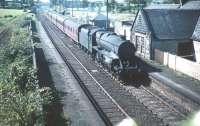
x: 3, y: 3
x: 85, y: 3
x: 112, y: 5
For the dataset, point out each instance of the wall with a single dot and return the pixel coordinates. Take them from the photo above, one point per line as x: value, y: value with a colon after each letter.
x: 182, y: 65
x: 121, y: 29
x: 197, y: 51
x: 167, y: 45
x: 147, y: 44
x: 173, y: 47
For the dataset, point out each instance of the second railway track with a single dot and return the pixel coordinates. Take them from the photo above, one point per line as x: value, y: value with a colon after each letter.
x: 112, y: 101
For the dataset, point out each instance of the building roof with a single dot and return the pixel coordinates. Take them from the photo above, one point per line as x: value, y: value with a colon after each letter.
x: 141, y: 23
x: 170, y: 23
x: 196, y: 34
x: 16, y: 1
x: 100, y: 17
x: 193, y: 4
x: 163, y: 6
x: 128, y: 23
x: 165, y: 1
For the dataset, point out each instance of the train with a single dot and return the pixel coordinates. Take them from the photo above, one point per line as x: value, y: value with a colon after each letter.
x: 106, y: 47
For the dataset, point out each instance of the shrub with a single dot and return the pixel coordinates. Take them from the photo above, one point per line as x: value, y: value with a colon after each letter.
x: 21, y: 100
x: 8, y: 16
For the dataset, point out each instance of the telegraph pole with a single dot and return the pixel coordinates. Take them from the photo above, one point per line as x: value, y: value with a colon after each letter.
x: 106, y: 14
x: 72, y: 8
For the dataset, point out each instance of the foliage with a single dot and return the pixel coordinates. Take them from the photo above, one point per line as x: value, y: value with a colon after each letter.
x: 13, y: 12
x: 21, y: 99
x: 85, y: 3
x: 7, y: 15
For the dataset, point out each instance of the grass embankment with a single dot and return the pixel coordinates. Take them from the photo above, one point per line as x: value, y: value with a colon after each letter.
x: 21, y: 100
x: 7, y: 15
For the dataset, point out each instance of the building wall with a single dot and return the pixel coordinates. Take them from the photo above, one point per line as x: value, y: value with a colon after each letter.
x: 123, y: 30
x: 167, y: 46
x: 126, y: 31
x: 142, y: 43
x: 197, y: 51
x: 101, y: 23
x: 146, y: 45
x: 171, y: 46
x: 141, y: 36
x: 118, y: 28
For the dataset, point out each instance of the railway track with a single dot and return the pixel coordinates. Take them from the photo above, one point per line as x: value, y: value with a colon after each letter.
x: 107, y: 108
x: 113, y: 100
x: 3, y: 33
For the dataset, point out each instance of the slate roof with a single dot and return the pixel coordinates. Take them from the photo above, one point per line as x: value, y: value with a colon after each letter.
x: 196, y: 34
x: 193, y: 4
x: 17, y: 1
x: 100, y: 17
x: 170, y: 23
x: 129, y: 23
x: 164, y: 1
x: 163, y: 6
x: 141, y: 24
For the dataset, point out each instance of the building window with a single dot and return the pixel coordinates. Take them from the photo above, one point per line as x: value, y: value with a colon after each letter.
x: 137, y: 42
x: 140, y: 44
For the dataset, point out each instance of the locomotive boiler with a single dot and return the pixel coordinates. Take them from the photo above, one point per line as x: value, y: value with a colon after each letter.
x: 116, y: 52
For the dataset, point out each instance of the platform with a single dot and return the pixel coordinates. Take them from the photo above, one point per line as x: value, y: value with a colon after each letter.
x: 181, y: 83
x: 76, y: 105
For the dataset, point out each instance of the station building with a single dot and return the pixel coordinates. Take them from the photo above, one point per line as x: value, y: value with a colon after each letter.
x: 196, y: 41
x: 166, y: 28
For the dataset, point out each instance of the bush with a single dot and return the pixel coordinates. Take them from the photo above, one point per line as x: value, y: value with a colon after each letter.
x: 1, y: 24
x: 21, y: 99
x: 8, y: 16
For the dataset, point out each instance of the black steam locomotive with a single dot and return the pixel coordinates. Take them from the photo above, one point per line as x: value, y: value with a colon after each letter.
x: 111, y: 50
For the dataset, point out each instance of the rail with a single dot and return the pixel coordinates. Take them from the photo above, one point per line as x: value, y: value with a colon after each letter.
x: 93, y: 101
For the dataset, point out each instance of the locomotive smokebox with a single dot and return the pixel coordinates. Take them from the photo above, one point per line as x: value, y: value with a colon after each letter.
x: 126, y: 51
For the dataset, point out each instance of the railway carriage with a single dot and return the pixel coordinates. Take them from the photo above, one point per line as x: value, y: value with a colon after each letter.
x: 60, y: 21
x: 54, y: 18
x: 71, y: 29
x: 49, y: 16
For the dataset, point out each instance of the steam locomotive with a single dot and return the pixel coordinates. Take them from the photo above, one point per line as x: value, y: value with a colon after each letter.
x: 111, y: 50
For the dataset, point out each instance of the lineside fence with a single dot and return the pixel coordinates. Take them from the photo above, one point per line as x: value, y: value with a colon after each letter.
x: 178, y: 63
